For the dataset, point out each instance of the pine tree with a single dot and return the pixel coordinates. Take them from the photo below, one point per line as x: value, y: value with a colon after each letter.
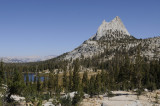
x: 125, y: 72
x: 138, y: 68
x: 70, y: 86
x: 65, y: 81
x: 111, y: 81
x: 56, y: 80
x: 146, y: 77
x: 51, y: 83
x: 17, y: 85
x: 38, y: 83
x: 45, y: 83
x: 98, y: 84
x: 2, y: 75
x: 131, y: 79
x: 92, y: 86
x: 103, y: 80
x: 31, y: 80
x: 1, y: 102
x: 35, y: 79
x: 27, y: 79
x: 76, y: 77
x: 139, y: 71
x: 3, y: 83
x: 85, y: 82
x: 107, y: 81
x: 56, y: 84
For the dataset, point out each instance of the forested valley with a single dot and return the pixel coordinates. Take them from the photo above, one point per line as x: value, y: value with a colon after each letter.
x: 65, y: 76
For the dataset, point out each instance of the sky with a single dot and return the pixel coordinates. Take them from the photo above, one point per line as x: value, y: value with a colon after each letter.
x: 53, y: 27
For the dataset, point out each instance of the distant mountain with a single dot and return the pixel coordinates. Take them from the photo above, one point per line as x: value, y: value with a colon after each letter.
x: 112, y: 37
x: 26, y: 59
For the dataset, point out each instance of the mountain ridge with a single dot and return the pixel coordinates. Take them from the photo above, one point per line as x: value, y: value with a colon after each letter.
x: 25, y: 59
x: 113, y: 36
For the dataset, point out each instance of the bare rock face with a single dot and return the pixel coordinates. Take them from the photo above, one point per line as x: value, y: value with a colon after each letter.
x: 113, y: 36
x: 115, y: 25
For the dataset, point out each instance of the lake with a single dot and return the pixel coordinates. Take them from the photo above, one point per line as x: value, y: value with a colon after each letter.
x: 32, y: 76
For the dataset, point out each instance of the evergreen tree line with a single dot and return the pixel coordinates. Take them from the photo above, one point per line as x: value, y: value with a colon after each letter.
x: 120, y: 73
x: 116, y: 75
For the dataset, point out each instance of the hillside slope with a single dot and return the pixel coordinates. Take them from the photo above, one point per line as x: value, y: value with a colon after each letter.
x: 113, y: 36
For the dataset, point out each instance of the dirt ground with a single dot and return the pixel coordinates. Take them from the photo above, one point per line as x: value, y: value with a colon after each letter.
x: 124, y: 98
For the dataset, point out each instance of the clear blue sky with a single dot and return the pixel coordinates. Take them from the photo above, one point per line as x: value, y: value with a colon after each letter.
x: 52, y: 27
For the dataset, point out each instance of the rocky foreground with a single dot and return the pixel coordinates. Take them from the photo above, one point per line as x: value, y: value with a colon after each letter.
x: 123, y: 98
x: 119, y: 98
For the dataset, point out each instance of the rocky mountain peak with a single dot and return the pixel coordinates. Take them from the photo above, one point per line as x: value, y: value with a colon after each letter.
x: 117, y: 18
x: 112, y: 38
x: 107, y: 27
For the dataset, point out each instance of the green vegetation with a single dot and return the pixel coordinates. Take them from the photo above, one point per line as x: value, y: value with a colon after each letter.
x: 120, y: 73
x: 66, y: 101
x: 2, y: 75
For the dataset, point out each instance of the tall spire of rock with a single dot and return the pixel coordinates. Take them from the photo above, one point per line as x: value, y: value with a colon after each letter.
x: 115, y: 25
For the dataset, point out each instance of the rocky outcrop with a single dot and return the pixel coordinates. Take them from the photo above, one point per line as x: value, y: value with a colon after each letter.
x: 113, y: 36
x: 115, y: 25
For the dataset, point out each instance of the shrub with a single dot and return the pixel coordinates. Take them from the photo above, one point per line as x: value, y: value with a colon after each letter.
x: 66, y: 101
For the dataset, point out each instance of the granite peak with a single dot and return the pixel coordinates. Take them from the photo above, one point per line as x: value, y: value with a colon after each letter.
x: 115, y: 25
